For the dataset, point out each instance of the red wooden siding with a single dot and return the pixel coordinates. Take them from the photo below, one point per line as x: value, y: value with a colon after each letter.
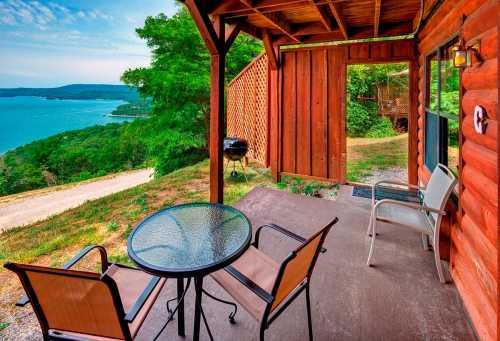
x: 312, y: 113
x: 474, y: 239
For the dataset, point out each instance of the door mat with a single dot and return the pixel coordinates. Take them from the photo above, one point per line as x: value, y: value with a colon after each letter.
x: 386, y: 193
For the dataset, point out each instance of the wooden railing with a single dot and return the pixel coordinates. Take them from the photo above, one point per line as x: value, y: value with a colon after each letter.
x: 247, y: 108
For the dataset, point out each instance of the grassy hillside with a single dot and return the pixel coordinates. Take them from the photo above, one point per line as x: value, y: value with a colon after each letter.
x: 109, y: 220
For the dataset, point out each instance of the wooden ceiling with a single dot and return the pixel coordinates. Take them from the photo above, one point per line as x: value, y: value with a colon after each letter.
x: 306, y: 21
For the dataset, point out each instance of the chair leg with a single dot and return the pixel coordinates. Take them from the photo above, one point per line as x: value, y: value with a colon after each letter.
x: 368, y: 230
x: 309, y: 319
x: 262, y: 331
x: 372, y: 245
x: 235, y: 307
x: 425, y: 242
x: 437, y: 258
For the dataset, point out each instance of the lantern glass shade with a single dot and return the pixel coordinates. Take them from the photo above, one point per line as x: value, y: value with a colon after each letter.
x: 459, y: 57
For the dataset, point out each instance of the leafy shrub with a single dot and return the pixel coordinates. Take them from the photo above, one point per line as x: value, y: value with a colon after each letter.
x: 180, y: 150
x: 113, y: 226
x: 453, y: 131
x: 382, y: 128
x: 359, y: 119
x: 300, y: 186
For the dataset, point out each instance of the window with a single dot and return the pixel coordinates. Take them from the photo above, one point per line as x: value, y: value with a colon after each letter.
x: 442, y: 109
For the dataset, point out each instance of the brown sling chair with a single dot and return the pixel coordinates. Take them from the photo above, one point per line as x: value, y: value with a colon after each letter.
x: 266, y: 288
x: 79, y: 305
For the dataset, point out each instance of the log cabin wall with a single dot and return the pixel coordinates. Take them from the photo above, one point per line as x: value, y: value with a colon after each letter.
x: 474, y: 238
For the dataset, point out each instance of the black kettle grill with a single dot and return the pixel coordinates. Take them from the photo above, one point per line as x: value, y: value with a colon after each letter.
x: 235, y: 149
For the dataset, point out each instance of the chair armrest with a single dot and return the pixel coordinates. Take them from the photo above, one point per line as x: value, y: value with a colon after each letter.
x: 134, y: 310
x: 395, y: 182
x: 104, y: 261
x: 392, y: 182
x: 282, y: 230
x: 84, y: 252
x: 410, y: 205
x: 251, y: 285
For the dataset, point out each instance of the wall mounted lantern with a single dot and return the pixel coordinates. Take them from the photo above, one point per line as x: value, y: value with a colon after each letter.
x: 466, y: 56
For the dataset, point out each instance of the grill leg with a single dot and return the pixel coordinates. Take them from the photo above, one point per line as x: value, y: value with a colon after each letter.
x: 244, y: 172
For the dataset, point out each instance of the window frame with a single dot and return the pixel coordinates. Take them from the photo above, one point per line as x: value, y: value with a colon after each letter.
x: 443, y: 117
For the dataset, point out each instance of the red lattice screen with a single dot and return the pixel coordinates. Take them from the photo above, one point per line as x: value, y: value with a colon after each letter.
x: 247, y: 111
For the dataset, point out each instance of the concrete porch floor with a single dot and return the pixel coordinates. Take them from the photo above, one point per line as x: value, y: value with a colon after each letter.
x: 398, y: 299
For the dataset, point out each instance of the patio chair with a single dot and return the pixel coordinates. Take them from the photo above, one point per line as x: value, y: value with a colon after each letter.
x: 78, y: 305
x: 266, y: 288
x: 425, y: 217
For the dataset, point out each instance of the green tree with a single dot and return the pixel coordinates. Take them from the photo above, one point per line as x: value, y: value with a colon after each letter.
x: 178, y: 79
x: 362, y: 115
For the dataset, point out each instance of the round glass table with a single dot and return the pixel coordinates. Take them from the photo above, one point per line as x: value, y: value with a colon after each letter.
x: 189, y: 241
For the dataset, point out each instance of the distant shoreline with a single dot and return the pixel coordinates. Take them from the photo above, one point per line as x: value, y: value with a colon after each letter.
x: 128, y: 116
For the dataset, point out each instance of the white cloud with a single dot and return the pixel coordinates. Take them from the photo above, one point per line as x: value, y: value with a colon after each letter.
x: 33, y: 12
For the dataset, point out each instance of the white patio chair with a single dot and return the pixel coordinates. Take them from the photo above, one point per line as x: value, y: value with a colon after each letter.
x: 425, y: 217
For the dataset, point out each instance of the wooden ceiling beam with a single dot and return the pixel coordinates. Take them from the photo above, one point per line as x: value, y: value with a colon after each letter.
x: 231, y: 35
x: 205, y: 27
x: 308, y: 29
x: 339, y: 18
x: 376, y: 18
x: 271, y: 54
x: 275, y: 19
x: 324, y: 17
x: 364, y: 32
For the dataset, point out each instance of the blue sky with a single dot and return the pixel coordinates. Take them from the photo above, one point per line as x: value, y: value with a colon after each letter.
x: 46, y: 43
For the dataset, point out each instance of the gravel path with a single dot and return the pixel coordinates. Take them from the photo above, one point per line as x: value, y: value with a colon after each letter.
x: 400, y: 174
x: 32, y: 208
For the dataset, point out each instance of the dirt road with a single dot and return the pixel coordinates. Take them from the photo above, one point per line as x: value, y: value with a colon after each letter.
x: 31, y: 207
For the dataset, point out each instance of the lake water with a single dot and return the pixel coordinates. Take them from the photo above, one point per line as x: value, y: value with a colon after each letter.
x: 26, y: 119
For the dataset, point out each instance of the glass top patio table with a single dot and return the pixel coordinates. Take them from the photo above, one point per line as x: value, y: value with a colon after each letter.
x: 190, y: 240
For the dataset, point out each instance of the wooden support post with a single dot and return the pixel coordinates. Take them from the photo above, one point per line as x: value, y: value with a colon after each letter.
x: 217, y: 73
x: 413, y: 124
x: 217, y: 128
x: 213, y: 33
x: 271, y: 54
x: 274, y: 117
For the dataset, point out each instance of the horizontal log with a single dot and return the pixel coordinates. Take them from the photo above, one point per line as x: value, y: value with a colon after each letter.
x: 445, y: 23
x: 482, y: 246
x: 486, y: 189
x: 480, y: 20
x: 483, y: 217
x: 482, y: 76
x: 480, y: 311
x: 421, y: 97
x: 475, y: 264
x: 471, y: 205
x: 482, y: 159
x: 488, y: 45
x: 487, y: 140
x: 488, y: 99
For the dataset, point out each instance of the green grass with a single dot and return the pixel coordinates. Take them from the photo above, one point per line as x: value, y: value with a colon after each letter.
x: 364, y: 159
x: 4, y: 325
x: 108, y: 221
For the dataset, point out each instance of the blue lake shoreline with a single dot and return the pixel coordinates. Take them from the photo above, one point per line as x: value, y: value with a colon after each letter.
x: 27, y: 119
